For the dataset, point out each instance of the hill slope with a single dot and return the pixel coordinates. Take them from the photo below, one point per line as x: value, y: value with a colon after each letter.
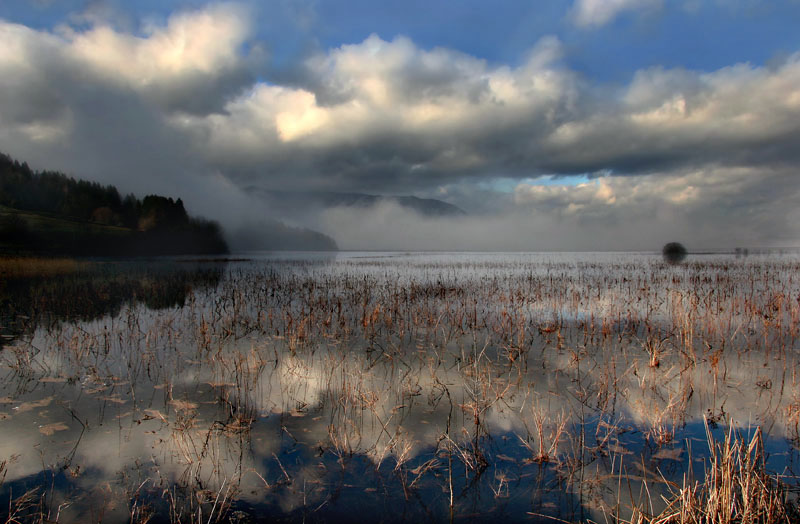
x: 289, y: 202
x: 51, y: 213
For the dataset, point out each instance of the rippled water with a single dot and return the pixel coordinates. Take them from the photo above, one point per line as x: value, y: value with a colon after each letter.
x: 388, y: 386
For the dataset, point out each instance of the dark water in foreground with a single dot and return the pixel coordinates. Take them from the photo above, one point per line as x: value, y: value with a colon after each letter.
x: 388, y: 387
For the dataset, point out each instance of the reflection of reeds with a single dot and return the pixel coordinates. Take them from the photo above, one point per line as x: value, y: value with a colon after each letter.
x: 792, y: 414
x: 346, y: 356
x: 196, y: 505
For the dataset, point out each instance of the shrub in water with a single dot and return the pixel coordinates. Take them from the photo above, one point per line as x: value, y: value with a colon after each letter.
x: 674, y: 253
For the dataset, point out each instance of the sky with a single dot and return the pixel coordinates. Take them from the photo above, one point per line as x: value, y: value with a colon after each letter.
x: 555, y: 124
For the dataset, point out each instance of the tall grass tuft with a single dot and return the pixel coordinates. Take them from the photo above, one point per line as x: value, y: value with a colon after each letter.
x: 737, y: 489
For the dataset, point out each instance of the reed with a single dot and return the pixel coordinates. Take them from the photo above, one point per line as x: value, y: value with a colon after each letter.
x: 736, y: 489
x: 467, y: 379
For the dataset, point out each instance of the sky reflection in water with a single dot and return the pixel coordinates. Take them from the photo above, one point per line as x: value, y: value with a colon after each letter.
x: 306, y: 387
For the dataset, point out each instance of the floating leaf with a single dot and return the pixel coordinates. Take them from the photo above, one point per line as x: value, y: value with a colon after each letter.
x: 618, y: 449
x: 49, y: 429
x: 150, y: 414
x: 220, y: 384
x: 28, y: 406
x: 52, y: 380
x: 668, y: 454
x: 183, y: 405
x: 115, y: 399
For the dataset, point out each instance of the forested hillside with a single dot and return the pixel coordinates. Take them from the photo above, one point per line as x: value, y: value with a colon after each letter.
x: 49, y: 212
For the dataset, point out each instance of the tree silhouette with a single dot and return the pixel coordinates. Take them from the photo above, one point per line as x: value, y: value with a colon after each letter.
x: 674, y: 253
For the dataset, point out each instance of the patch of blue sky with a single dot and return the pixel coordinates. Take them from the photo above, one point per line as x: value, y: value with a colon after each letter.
x: 691, y: 34
x: 707, y: 37
x: 507, y: 184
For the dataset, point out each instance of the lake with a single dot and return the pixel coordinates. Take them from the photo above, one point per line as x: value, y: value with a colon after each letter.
x: 392, y: 387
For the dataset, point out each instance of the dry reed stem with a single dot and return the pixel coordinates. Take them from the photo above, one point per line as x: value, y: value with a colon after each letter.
x: 737, y: 488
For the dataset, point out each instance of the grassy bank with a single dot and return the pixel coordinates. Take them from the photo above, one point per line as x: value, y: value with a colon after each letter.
x: 26, y: 267
x: 35, y: 233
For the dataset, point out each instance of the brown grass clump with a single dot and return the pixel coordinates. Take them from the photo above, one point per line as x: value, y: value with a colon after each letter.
x: 26, y: 267
x: 737, y: 488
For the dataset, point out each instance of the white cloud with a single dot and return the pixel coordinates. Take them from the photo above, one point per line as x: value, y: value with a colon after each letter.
x: 594, y: 13
x: 188, y: 64
x: 433, y: 102
x: 154, y: 112
x: 395, y: 110
x: 198, y: 42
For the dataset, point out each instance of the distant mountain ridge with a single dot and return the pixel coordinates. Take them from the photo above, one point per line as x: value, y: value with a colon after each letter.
x: 292, y: 200
x: 273, y: 235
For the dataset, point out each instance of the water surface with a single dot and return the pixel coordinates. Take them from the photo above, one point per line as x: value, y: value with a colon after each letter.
x: 399, y: 386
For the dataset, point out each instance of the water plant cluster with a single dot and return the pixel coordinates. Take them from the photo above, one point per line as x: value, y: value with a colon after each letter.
x: 596, y: 387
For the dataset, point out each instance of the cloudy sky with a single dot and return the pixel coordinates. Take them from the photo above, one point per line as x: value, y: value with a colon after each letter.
x: 556, y: 124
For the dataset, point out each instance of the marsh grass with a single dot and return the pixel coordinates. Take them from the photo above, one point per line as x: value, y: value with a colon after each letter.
x: 461, y: 384
x: 736, y: 488
x: 29, y: 267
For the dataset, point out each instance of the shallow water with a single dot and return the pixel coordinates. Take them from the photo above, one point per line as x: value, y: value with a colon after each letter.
x: 400, y: 386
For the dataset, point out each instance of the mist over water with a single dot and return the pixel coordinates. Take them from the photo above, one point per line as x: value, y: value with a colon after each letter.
x: 391, y: 227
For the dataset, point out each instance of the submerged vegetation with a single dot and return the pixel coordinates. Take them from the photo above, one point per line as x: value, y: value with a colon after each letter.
x: 600, y: 388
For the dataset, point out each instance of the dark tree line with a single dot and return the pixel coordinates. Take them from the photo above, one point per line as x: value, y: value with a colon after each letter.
x: 56, y: 193
x: 157, y: 224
